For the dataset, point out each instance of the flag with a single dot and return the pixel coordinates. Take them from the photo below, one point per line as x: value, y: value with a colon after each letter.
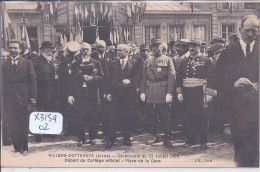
x: 86, y: 12
x: 55, y: 11
x: 111, y: 37
x: 51, y: 8
x: 80, y: 12
x: 97, y: 35
x: 129, y: 11
x: 106, y: 10
x: 25, y: 36
x: 117, y: 37
x: 109, y: 15
x: 76, y: 12
x: 101, y: 10
x: 71, y: 36
x: 65, y: 40
x: 61, y: 39
x: 133, y: 7
x: 8, y: 32
x: 114, y: 37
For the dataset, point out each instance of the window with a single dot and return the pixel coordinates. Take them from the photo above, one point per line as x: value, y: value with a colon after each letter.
x: 226, y: 30
x: 151, y: 32
x: 176, y: 33
x: 225, y: 5
x: 59, y: 36
x: 248, y: 5
x: 199, y: 32
x: 126, y: 34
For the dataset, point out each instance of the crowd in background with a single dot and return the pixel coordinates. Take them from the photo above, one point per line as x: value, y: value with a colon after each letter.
x: 157, y: 88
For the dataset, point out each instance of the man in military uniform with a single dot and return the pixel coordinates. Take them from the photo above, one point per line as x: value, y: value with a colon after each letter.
x: 192, y: 91
x: 123, y: 79
x: 86, y: 75
x: 156, y: 89
x: 71, y: 55
x: 182, y: 50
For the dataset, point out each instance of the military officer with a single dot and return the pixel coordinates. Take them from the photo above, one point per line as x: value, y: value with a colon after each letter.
x: 86, y: 75
x: 156, y: 89
x: 191, y: 91
x: 71, y: 55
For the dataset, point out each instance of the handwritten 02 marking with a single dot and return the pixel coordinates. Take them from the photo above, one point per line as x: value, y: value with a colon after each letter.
x: 46, y: 122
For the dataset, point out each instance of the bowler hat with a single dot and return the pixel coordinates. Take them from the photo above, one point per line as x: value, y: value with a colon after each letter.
x: 46, y: 44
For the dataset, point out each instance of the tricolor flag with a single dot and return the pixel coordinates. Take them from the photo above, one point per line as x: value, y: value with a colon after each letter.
x: 25, y: 36
x: 129, y: 11
x: 86, y: 12
x: 111, y: 37
x: 8, y: 32
x: 76, y: 12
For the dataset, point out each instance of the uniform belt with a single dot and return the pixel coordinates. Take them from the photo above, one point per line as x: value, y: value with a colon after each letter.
x: 194, y: 82
x: 157, y: 80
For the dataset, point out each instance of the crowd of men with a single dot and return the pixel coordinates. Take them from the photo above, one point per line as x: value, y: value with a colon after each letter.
x: 156, y: 88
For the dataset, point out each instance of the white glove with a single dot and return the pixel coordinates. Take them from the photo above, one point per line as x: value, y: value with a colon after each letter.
x: 209, y: 98
x: 126, y: 81
x: 242, y: 82
x: 168, y: 98
x: 87, y: 77
x: 109, y: 97
x: 71, y: 100
x: 142, y: 96
x: 180, y: 97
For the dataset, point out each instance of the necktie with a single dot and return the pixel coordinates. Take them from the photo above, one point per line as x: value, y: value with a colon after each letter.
x: 248, y: 52
x: 123, y: 64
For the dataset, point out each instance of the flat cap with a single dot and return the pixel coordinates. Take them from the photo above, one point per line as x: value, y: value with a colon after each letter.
x: 184, y: 41
x: 156, y: 40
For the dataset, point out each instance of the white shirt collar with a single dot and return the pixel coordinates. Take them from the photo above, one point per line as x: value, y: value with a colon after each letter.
x: 85, y: 59
x: 125, y: 60
x: 101, y: 55
x: 14, y: 58
x: 243, y: 45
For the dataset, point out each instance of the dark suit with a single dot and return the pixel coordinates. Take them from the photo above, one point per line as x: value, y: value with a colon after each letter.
x: 46, y: 85
x: 123, y: 102
x: 19, y: 86
x: 232, y: 65
x: 86, y: 97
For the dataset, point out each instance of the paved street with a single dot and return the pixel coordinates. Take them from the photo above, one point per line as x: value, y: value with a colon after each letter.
x: 62, y: 151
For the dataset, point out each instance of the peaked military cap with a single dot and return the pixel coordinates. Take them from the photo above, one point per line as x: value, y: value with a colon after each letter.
x: 156, y: 40
x: 218, y: 40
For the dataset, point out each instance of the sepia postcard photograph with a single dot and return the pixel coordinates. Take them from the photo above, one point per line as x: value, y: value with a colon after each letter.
x: 130, y: 84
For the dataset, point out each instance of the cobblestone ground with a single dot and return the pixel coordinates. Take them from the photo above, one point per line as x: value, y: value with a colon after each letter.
x: 62, y: 151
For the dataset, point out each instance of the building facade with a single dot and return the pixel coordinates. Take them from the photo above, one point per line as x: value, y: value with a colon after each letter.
x: 117, y: 22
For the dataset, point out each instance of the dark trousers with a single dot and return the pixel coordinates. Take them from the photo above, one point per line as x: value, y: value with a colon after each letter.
x: 195, y: 117
x: 86, y: 118
x: 119, y: 115
x: 5, y: 129
x: 18, y: 122
x: 245, y: 131
x: 216, y: 112
x: 159, y: 118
